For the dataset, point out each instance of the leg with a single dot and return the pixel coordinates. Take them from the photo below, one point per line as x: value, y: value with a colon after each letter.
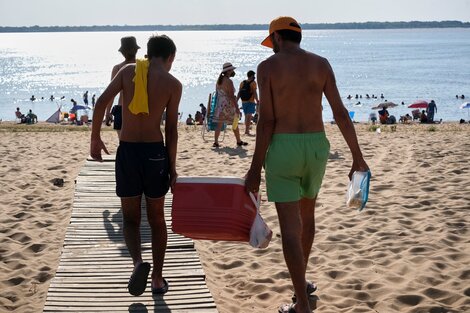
x: 236, y: 132
x: 156, y: 218
x: 131, y: 227
x: 247, y: 123
x: 291, y: 223
x: 217, y: 132
x: 307, y: 213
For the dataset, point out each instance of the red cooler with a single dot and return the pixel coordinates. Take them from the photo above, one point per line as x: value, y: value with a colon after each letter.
x: 213, y: 208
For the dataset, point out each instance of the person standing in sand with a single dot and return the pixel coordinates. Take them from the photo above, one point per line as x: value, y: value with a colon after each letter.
x: 128, y: 50
x: 227, y: 107
x: 249, y: 95
x: 431, y: 109
x: 292, y: 145
x: 145, y: 163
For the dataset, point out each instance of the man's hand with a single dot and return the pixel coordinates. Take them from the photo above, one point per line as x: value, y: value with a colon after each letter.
x: 95, y: 149
x: 108, y: 119
x: 358, y: 165
x: 173, y: 177
x: 252, y: 181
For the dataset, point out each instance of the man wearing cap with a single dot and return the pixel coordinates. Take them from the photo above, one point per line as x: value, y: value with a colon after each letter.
x: 128, y: 50
x: 292, y: 146
x: 247, y: 92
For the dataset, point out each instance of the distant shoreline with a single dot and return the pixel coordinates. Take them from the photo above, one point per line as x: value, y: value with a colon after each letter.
x: 319, y: 26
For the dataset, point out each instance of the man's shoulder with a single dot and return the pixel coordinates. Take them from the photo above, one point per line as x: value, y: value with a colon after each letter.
x: 175, y: 81
x: 169, y: 79
x: 128, y: 70
x: 125, y: 67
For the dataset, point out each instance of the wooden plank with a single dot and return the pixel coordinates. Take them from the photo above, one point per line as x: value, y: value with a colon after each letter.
x: 95, y: 264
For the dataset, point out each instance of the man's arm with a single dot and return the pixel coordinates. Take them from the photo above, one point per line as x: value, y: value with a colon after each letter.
x: 110, y: 104
x: 171, y: 130
x: 264, y: 129
x: 238, y: 94
x: 231, y: 94
x: 255, y: 93
x: 110, y: 92
x: 341, y: 116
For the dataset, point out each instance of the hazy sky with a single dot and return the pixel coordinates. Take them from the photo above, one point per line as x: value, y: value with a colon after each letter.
x: 174, y: 12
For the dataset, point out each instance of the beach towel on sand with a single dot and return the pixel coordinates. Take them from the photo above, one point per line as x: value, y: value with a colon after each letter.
x: 140, y: 102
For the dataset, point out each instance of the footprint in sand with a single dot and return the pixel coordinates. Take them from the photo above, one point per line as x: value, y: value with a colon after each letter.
x: 467, y: 292
x: 465, y: 275
x: 13, y: 298
x: 19, y: 266
x: 21, y: 215
x: 43, y: 277
x: 410, y: 300
x: 21, y: 237
x: 337, y: 274
x: 434, y: 293
x: 15, y: 281
x: 37, y: 247
x: 228, y: 266
x: 362, y: 263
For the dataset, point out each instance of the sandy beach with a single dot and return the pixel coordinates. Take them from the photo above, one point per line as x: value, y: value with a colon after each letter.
x: 409, y: 251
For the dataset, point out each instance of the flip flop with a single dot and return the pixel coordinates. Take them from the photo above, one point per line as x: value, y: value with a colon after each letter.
x: 162, y: 290
x: 311, y: 288
x: 138, y: 280
x: 242, y: 143
x: 286, y: 308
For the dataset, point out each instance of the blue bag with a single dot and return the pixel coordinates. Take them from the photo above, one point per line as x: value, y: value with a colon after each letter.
x: 358, y: 190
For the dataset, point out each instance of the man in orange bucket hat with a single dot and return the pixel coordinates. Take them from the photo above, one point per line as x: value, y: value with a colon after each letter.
x: 292, y: 146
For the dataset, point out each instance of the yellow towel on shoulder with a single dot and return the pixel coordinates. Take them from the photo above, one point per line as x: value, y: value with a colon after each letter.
x: 140, y: 102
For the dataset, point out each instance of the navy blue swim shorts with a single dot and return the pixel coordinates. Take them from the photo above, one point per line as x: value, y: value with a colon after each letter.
x: 142, y: 168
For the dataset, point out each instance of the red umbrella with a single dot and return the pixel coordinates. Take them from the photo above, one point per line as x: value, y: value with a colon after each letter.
x: 419, y: 105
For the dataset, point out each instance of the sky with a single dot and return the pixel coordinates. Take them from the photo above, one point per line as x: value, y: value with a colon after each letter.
x: 185, y: 12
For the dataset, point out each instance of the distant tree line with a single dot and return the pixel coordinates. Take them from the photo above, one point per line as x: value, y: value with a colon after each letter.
x: 107, y: 28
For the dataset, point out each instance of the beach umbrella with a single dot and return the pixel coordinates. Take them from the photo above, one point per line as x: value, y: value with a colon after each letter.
x: 466, y: 105
x: 419, y: 105
x: 387, y: 104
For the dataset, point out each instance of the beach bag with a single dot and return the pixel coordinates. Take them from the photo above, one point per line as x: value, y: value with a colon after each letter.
x: 358, y: 190
x: 260, y: 234
x: 236, y: 119
x: 245, y: 91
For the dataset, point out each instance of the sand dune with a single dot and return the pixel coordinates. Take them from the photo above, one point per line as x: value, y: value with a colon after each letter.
x: 407, y: 252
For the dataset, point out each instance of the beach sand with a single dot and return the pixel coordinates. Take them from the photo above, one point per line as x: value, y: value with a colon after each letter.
x: 407, y: 252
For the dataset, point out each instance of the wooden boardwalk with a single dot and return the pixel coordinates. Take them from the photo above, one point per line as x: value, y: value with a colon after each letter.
x: 95, y: 265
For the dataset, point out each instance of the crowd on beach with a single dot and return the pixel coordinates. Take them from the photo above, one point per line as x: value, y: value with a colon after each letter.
x: 62, y: 98
x: 78, y: 113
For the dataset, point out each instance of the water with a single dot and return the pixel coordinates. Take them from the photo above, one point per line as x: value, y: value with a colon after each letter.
x: 405, y: 65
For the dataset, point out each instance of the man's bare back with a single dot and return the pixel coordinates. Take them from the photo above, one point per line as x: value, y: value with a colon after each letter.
x: 160, y: 87
x: 294, y: 82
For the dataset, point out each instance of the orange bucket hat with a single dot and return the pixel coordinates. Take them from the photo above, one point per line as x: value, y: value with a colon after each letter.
x: 280, y: 23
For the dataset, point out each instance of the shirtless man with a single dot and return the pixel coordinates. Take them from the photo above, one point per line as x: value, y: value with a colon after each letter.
x: 128, y: 50
x: 144, y: 165
x: 291, y: 84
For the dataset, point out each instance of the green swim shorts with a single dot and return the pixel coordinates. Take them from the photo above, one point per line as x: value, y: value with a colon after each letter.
x: 295, y: 166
